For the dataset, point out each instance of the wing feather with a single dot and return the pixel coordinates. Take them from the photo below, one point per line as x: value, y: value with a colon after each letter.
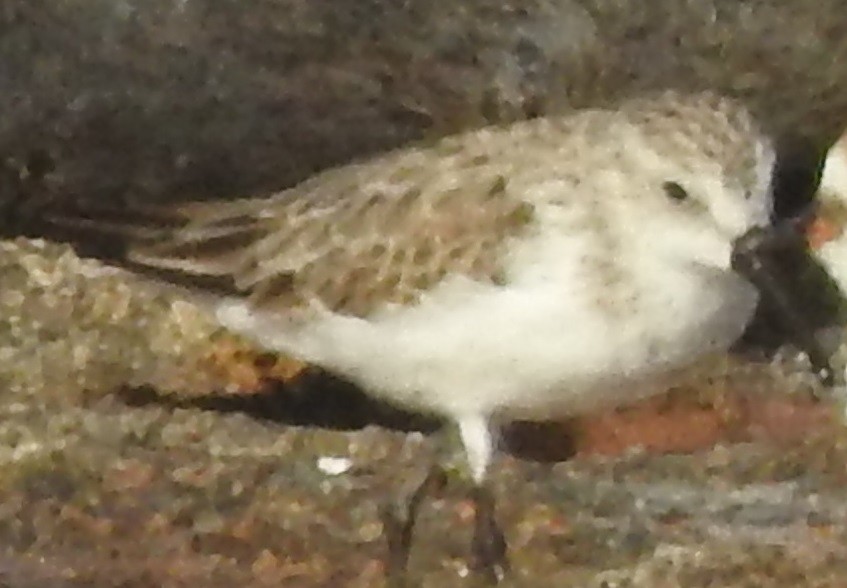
x: 350, y: 239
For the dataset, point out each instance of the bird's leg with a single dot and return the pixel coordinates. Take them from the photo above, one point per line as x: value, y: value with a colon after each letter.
x: 489, y: 549
x: 489, y: 543
x: 400, y: 527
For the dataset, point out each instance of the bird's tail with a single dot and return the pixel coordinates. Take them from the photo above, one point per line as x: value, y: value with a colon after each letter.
x: 162, y: 240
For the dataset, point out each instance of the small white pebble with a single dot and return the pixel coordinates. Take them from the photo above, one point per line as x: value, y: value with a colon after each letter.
x: 334, y: 466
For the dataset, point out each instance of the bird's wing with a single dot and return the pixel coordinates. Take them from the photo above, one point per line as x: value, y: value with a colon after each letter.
x: 350, y: 238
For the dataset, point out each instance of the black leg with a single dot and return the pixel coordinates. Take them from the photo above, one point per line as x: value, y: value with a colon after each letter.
x: 399, y: 527
x: 489, y: 543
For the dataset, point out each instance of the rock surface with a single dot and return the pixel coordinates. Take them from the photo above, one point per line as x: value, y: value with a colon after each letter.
x: 141, y: 446
x: 165, y: 99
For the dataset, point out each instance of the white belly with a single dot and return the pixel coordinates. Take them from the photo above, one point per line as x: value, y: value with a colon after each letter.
x: 535, y: 350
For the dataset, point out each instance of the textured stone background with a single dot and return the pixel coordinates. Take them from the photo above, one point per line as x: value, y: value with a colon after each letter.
x: 171, y: 99
x: 209, y: 476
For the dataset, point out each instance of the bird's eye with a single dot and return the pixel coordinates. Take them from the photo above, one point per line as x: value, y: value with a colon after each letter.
x: 675, y: 191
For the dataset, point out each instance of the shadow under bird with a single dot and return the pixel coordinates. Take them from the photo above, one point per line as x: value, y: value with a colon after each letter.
x: 532, y: 270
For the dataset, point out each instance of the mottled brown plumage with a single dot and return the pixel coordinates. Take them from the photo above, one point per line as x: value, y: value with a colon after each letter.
x: 360, y: 237
x: 348, y: 239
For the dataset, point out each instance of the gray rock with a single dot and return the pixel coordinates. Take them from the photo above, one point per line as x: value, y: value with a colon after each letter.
x: 198, y: 98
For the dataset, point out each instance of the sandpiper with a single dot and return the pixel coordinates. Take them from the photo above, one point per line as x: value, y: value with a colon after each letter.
x: 541, y: 268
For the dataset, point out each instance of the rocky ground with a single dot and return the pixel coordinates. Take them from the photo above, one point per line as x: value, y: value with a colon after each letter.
x: 140, y: 445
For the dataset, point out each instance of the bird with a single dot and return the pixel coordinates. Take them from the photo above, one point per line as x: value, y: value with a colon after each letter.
x: 544, y: 267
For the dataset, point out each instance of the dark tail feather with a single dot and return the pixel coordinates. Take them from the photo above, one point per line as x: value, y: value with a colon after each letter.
x: 30, y: 207
x: 150, y: 241
x: 154, y: 240
x: 105, y: 232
